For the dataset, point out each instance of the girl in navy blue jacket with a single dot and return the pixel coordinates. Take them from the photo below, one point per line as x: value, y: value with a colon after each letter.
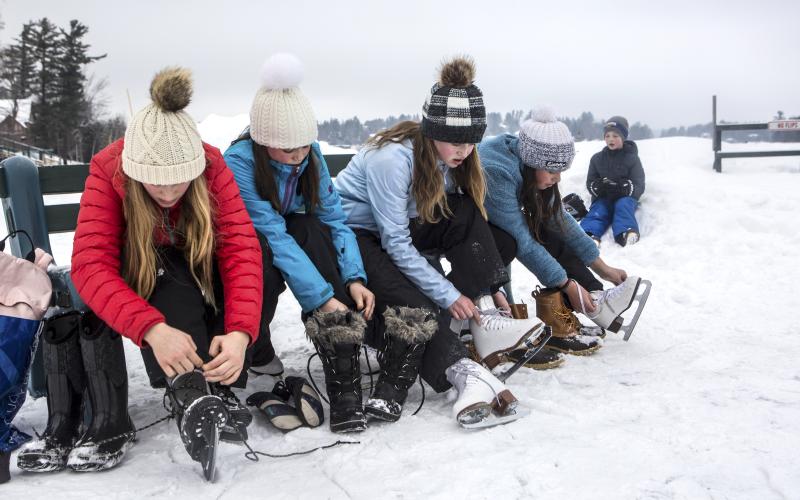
x: 288, y: 192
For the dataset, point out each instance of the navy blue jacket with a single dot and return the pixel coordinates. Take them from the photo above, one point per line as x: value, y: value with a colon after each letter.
x: 618, y: 165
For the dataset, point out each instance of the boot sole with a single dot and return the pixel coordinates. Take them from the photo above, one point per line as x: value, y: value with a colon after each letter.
x: 583, y: 352
x: 375, y: 410
x: 497, y: 357
x: 93, y: 462
x: 351, y: 426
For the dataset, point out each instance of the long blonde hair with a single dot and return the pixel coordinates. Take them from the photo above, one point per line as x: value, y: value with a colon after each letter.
x: 427, y: 185
x: 194, y: 235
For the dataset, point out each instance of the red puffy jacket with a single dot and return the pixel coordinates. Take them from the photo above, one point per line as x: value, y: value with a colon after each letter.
x: 99, y: 241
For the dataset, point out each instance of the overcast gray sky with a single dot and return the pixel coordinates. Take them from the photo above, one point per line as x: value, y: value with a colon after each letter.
x: 655, y: 62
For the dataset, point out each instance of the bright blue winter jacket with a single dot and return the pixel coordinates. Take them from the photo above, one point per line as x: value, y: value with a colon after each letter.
x: 306, y: 283
x: 503, y: 170
x: 376, y: 195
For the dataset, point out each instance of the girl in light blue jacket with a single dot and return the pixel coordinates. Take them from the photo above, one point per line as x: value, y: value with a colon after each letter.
x: 287, y: 190
x: 415, y: 189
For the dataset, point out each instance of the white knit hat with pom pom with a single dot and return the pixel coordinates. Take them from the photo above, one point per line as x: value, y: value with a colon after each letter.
x: 546, y: 143
x: 162, y: 144
x: 281, y: 115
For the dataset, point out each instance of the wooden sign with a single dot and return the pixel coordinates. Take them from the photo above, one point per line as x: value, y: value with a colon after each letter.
x: 793, y: 125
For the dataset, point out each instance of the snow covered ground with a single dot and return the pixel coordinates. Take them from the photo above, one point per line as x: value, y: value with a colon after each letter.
x: 703, y: 402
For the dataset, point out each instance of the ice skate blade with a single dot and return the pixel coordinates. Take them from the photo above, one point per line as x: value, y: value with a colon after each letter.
x: 209, y: 458
x: 493, y: 419
x: 532, y: 338
x: 640, y: 295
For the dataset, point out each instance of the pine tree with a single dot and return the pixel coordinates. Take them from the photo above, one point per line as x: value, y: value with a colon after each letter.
x: 72, y: 110
x: 46, y: 55
x: 17, y: 70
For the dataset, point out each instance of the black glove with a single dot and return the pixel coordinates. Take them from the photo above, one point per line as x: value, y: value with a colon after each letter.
x: 621, y: 189
x: 574, y: 206
x: 603, y: 188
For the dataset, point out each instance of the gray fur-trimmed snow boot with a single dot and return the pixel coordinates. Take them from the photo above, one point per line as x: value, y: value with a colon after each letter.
x: 407, y: 332
x: 337, y: 337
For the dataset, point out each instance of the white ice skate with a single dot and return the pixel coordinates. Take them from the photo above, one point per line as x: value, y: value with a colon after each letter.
x: 483, y: 400
x: 610, y: 304
x: 498, y: 333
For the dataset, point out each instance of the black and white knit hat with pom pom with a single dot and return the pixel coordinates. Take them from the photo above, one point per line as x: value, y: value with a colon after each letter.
x: 162, y: 144
x: 546, y: 143
x: 453, y: 110
x: 281, y: 115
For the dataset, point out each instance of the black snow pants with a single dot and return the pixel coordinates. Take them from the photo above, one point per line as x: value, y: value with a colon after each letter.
x: 478, y: 254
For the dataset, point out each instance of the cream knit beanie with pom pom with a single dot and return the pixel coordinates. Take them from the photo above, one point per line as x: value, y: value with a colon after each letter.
x: 162, y: 144
x: 281, y: 115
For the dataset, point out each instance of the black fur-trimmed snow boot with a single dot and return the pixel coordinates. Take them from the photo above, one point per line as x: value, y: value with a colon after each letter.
x: 65, y: 379
x: 110, y: 432
x: 337, y: 337
x: 407, y: 332
x: 200, y: 416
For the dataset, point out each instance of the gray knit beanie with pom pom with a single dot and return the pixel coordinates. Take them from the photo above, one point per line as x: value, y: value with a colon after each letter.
x: 546, y: 143
x: 162, y: 144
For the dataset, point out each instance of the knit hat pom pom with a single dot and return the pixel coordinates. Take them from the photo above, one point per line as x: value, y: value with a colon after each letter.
x: 544, y: 114
x: 281, y: 71
x: 458, y: 72
x: 171, y: 89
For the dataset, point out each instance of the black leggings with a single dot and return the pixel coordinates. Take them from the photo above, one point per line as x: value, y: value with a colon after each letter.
x: 314, y: 237
x: 575, y: 268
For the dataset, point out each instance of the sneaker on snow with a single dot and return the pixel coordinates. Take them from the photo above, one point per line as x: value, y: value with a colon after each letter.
x: 273, y: 368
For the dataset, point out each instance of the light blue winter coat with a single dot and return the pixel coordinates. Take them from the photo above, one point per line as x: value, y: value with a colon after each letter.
x: 376, y: 195
x: 503, y: 170
x: 306, y: 283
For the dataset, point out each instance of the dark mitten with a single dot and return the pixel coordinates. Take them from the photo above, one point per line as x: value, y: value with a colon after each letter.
x: 625, y: 188
x: 597, y: 188
x: 574, y: 206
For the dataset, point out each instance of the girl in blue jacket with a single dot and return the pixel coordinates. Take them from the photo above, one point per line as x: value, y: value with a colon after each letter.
x: 522, y: 175
x: 418, y: 188
x: 288, y: 192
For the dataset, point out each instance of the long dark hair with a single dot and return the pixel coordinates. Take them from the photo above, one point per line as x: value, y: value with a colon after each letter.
x: 539, y: 206
x: 267, y: 188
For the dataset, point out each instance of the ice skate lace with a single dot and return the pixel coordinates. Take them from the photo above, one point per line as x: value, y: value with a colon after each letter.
x: 495, y: 319
x: 473, y: 374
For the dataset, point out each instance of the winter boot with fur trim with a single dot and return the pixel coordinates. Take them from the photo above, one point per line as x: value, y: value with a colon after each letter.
x: 337, y: 337
x: 497, y: 333
x: 407, y: 332
x: 566, y: 338
x: 483, y: 400
x: 63, y: 366
x: 200, y: 417
x: 110, y: 432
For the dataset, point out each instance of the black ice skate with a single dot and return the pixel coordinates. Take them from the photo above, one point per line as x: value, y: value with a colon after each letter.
x: 200, y: 417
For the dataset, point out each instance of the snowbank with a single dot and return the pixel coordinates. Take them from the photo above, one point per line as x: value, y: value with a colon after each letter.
x: 703, y: 402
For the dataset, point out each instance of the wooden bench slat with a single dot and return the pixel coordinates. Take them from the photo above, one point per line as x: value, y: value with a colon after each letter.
x: 61, y: 218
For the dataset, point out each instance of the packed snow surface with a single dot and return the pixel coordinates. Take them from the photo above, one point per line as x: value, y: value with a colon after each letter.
x: 703, y: 402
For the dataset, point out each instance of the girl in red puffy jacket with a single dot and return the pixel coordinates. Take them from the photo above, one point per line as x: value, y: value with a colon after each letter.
x: 166, y: 255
